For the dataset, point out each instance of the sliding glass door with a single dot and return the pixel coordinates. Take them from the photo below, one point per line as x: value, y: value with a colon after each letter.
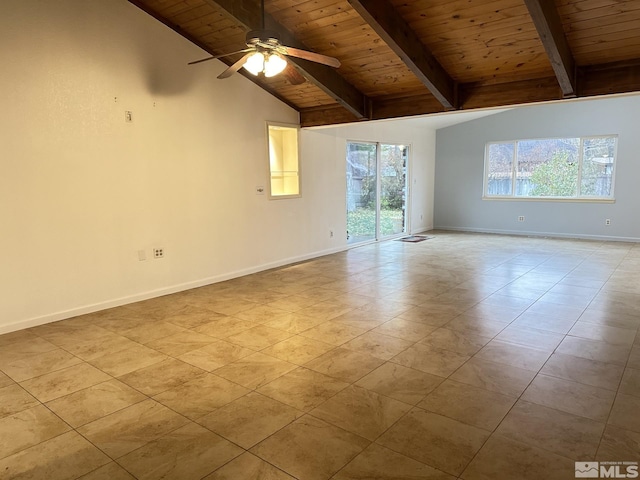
x: 393, y: 188
x: 362, y: 191
x: 376, y: 190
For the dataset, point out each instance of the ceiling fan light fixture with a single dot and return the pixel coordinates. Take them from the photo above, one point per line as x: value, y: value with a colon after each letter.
x: 274, y: 65
x: 255, y: 63
x: 266, y: 54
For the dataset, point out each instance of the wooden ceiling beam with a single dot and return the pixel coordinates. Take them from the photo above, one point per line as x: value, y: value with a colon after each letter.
x: 398, y: 35
x: 547, y: 21
x: 472, y: 96
x: 518, y: 92
x: 381, y: 108
x: 595, y: 80
x: 326, y: 78
x: 325, y: 115
x: 609, y: 78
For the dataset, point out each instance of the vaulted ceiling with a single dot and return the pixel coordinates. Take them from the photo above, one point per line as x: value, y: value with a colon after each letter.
x: 404, y: 57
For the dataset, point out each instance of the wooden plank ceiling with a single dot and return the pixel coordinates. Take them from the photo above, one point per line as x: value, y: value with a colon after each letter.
x: 402, y: 58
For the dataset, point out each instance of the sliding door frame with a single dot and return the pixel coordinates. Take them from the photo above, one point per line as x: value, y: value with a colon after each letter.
x: 378, y: 189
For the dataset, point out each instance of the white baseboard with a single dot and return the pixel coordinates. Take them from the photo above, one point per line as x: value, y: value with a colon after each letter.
x: 577, y: 236
x: 117, y: 302
x: 420, y: 229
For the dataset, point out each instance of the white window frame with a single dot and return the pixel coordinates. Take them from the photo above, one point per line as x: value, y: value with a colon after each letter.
x: 271, y: 195
x: 578, y: 198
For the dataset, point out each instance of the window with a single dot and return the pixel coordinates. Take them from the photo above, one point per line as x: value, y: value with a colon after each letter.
x: 555, y: 168
x: 284, y: 169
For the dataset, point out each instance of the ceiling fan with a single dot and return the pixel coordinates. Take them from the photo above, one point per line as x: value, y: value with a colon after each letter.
x: 266, y: 54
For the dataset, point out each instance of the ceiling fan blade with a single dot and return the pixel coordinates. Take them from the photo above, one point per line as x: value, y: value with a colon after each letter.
x: 293, y: 76
x: 311, y: 56
x: 219, y: 56
x: 235, y: 67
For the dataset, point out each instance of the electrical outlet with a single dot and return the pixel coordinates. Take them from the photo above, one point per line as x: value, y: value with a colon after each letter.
x: 607, y: 221
x: 158, y: 253
x: 142, y: 255
x: 521, y: 218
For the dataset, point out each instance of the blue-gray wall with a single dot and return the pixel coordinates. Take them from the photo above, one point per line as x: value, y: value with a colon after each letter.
x: 460, y: 166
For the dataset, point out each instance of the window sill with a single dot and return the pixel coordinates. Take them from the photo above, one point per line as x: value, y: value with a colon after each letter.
x: 284, y: 196
x: 551, y: 199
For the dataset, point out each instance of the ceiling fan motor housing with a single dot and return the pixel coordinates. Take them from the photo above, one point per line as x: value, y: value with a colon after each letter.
x: 262, y: 38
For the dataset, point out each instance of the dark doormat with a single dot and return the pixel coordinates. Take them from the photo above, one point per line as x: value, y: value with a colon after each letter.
x: 414, y: 238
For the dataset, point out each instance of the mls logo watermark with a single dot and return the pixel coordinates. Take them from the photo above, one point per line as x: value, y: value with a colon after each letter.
x: 587, y: 470
x: 606, y: 469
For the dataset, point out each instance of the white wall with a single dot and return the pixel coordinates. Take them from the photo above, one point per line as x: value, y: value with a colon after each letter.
x: 81, y: 191
x: 326, y: 148
x: 460, y: 163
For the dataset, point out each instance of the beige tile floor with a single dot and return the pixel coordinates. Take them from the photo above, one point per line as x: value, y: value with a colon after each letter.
x: 466, y: 356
